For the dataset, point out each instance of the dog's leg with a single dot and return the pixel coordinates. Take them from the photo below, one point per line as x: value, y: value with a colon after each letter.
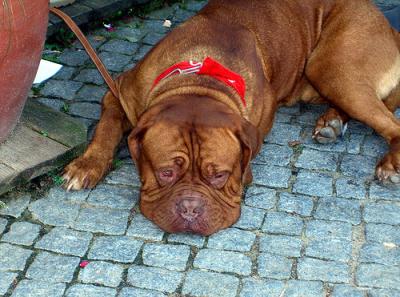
x: 87, y: 170
x: 330, y: 125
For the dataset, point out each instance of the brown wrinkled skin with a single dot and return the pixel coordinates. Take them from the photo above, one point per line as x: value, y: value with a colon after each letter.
x: 192, y: 138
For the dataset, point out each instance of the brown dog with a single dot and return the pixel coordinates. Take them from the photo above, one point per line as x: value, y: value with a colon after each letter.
x: 195, y: 134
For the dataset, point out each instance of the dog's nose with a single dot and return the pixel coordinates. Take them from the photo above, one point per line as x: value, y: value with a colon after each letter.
x: 190, y: 208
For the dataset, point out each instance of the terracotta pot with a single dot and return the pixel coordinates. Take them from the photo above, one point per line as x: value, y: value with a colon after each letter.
x: 23, y: 25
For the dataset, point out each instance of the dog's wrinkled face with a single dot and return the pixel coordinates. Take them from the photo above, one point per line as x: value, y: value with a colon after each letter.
x: 191, y: 159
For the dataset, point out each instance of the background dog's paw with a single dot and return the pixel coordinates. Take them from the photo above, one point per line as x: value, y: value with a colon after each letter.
x: 329, y: 131
x: 83, y: 173
x: 388, y: 169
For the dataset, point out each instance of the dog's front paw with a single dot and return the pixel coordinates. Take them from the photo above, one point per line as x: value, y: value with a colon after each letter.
x: 328, y: 131
x: 84, y: 172
x: 388, y: 169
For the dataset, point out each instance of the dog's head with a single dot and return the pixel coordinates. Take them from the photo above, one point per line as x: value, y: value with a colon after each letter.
x: 193, y: 155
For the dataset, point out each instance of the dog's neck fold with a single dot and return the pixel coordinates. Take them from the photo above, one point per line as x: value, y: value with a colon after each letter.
x: 196, y: 85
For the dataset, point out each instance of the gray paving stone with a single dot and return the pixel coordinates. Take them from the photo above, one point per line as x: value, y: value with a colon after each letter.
x: 130, y: 34
x: 358, y: 166
x: 297, y: 288
x: 94, y: 40
x: 22, y: 233
x: 383, y: 233
x: 352, y: 188
x: 260, y: 197
x: 272, y: 154
x: 250, y: 218
x: 327, y: 229
x: 384, y: 293
x: 223, y: 261
x: 15, y: 205
x: 375, y: 146
x: 313, y: 159
x: 161, y: 14
x: 379, y: 192
x: 283, y: 133
x: 136, y: 292
x: 81, y: 290
x: 154, y: 278
x: 53, y: 212
x: 195, y: 5
x: 143, y: 228
x: 154, y: 26
x: 112, y: 196
x: 152, y: 38
x: 171, y: 257
x: 313, y: 184
x: 210, y: 284
x: 308, y: 118
x: 380, y: 253
x: 114, y: 61
x: 281, y: 117
x: 296, y: 204
x: 102, y: 220
x: 339, y: 210
x: 34, y: 288
x: 292, y: 110
x: 58, y: 193
x: 3, y: 224
x: 288, y: 246
x: 115, y: 248
x: 73, y: 57
x: 125, y: 175
x: 359, y: 128
x: 379, y: 276
x: 120, y: 47
x: 328, y: 271
x: 282, y: 223
x: 262, y: 288
x: 90, y: 76
x: 143, y: 50
x: 65, y: 241
x: 274, y: 266
x: 52, y: 268
x: 65, y: 73
x: 6, y: 280
x: 382, y: 213
x: 182, y: 15
x: 328, y: 248
x: 54, y: 104
x: 353, y: 143
x: 232, y: 239
x: 101, y: 273
x: 271, y: 176
x: 347, y: 291
x: 61, y: 89
x: 187, y: 238
x: 91, y: 93
x: 85, y: 110
x: 13, y: 257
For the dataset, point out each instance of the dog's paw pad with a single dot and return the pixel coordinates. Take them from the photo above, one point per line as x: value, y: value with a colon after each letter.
x: 329, y: 132
x: 388, y: 169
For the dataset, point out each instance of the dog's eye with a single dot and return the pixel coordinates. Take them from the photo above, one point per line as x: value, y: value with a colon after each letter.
x: 219, y: 179
x: 167, y: 173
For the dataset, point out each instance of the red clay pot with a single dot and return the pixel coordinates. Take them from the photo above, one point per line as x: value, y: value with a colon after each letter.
x: 23, y: 25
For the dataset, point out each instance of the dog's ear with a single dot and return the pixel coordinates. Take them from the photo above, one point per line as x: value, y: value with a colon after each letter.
x: 251, y: 143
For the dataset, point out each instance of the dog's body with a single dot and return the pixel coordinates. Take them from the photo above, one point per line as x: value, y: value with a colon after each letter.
x: 194, y: 135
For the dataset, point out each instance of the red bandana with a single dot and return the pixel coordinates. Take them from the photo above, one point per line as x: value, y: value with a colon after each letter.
x: 207, y: 67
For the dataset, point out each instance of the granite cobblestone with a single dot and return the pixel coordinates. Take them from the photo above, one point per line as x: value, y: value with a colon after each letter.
x: 314, y: 222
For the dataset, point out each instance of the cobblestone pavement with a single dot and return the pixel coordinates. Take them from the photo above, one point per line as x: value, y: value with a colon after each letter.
x: 314, y: 222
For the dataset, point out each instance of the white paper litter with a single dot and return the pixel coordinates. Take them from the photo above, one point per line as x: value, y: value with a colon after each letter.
x: 46, y: 70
